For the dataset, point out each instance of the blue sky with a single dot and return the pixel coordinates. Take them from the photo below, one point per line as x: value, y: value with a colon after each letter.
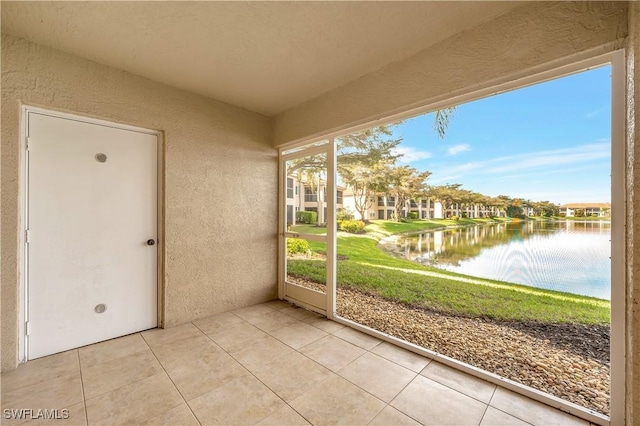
x: 549, y: 142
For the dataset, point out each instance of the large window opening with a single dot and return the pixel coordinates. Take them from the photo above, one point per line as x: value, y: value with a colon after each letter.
x: 483, y: 233
x: 511, y: 271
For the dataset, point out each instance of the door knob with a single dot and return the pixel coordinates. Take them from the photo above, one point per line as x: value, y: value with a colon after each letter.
x: 151, y: 242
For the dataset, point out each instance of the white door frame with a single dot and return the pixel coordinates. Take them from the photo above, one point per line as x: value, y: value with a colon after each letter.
x: 24, y: 210
x: 310, y: 299
x: 618, y: 200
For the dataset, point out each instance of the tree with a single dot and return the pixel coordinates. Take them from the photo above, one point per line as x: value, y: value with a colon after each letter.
x: 404, y: 183
x: 442, y: 119
x: 447, y: 195
x: 362, y: 158
x: 364, y: 182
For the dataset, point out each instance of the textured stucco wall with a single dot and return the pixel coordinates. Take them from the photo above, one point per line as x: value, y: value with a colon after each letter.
x: 528, y: 38
x: 633, y: 218
x: 220, y: 176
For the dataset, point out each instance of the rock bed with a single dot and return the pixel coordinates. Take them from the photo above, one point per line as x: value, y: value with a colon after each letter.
x: 568, y: 361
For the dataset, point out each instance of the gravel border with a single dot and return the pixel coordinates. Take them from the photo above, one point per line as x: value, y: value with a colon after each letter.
x: 570, y: 361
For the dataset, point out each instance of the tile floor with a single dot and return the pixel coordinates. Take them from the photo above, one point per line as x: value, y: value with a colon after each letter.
x: 269, y: 364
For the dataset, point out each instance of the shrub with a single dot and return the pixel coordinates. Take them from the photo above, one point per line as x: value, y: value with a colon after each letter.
x: 344, y: 214
x: 456, y: 218
x: 352, y: 226
x: 412, y: 215
x: 298, y: 246
x: 306, y: 217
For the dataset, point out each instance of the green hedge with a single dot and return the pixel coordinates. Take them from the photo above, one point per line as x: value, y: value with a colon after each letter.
x: 306, y: 217
x: 298, y: 246
x: 351, y: 226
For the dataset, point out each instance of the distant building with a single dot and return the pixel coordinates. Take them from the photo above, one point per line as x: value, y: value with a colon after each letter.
x: 590, y: 209
x: 383, y: 207
x: 303, y: 195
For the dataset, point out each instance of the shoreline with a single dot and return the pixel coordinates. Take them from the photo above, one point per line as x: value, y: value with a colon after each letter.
x: 387, y: 245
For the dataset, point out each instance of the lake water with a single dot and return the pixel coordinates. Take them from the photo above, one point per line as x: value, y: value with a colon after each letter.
x: 567, y: 256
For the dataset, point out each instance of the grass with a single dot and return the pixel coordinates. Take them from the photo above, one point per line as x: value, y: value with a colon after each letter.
x: 366, y: 267
x: 585, y: 219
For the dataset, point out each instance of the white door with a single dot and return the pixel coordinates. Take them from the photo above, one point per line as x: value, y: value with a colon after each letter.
x: 92, y: 233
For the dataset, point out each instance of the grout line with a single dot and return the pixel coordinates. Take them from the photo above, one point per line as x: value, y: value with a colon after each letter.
x: 84, y: 399
x: 253, y: 375
x: 172, y: 382
x: 484, y: 413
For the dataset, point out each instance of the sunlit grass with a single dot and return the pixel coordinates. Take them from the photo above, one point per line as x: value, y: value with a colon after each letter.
x: 364, y: 266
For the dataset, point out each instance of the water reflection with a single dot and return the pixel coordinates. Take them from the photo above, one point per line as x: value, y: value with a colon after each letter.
x: 566, y: 256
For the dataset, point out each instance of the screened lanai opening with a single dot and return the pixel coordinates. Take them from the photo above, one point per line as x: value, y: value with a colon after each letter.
x: 305, y: 216
x: 482, y: 233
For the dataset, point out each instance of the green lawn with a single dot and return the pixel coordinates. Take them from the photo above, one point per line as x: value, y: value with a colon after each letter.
x: 364, y: 266
x: 588, y: 219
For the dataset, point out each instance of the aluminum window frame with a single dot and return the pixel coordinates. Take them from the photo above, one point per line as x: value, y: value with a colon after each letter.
x: 616, y: 59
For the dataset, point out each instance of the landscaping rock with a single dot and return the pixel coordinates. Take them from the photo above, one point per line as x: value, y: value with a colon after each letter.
x: 570, y: 361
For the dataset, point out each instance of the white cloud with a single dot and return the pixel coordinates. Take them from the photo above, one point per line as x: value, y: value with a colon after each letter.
x: 457, y: 149
x: 536, y: 162
x: 465, y: 167
x: 565, y: 171
x: 409, y: 155
x: 447, y: 179
x: 544, y: 159
x: 595, y: 112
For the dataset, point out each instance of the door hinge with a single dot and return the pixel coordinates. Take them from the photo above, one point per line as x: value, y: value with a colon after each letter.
x: 27, y: 328
x: 28, y: 144
x: 26, y: 236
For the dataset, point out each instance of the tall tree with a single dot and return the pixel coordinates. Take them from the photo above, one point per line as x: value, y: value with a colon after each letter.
x: 405, y: 183
x: 447, y: 195
x: 362, y: 157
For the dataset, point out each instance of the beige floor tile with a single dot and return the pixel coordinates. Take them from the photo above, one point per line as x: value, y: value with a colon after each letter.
x: 41, y: 369
x: 286, y: 416
x: 531, y: 411
x: 324, y: 324
x: 298, y: 334
x: 73, y: 416
x: 261, y: 352
x: 337, y: 401
x: 378, y: 376
x: 332, y: 352
x: 271, y: 321
x: 357, y: 338
x: 292, y: 375
x: 186, y: 350
x: 218, y: 323
x: 61, y: 392
x: 391, y: 416
x: 178, y: 416
x: 298, y: 312
x: 495, y: 417
x: 111, y: 349
x: 430, y: 402
x: 401, y: 356
x: 134, y: 403
x: 255, y: 311
x: 278, y: 305
x: 204, y: 374
x: 162, y: 336
x: 460, y: 381
x: 237, y: 337
x: 107, y: 376
x: 241, y: 401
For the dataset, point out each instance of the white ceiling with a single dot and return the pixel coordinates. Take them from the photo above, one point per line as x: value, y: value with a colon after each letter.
x: 264, y: 56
